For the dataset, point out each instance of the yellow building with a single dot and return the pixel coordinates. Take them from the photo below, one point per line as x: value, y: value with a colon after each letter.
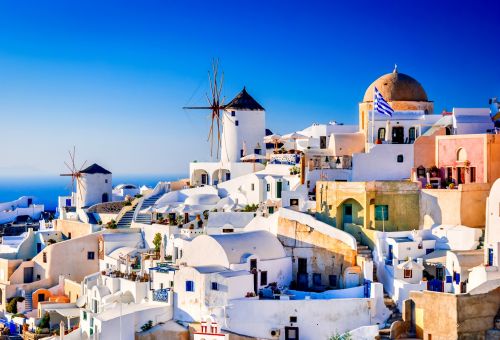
x: 361, y: 207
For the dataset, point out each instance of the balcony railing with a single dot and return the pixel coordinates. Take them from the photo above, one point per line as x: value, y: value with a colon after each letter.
x: 160, y: 295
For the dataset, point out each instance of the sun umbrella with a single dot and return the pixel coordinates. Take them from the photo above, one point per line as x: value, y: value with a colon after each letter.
x: 275, y: 139
x: 294, y: 136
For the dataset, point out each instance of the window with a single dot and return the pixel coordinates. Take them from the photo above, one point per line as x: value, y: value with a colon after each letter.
x: 461, y: 155
x: 105, y: 181
x: 69, y: 236
x: 233, y: 113
x: 215, y: 286
x: 381, y: 213
x: 253, y: 264
x: 237, y: 123
x: 38, y: 277
x: 407, y: 273
x: 252, y: 186
x: 228, y: 230
x: 293, y: 319
x: 189, y: 286
x: 322, y: 142
x: 263, y: 278
x: 411, y: 135
x: 90, y: 255
x: 294, y: 202
x: 472, y: 171
x: 84, y: 315
x: 268, y: 187
x: 381, y: 133
x: 44, y: 257
x: 400, y: 159
x: 291, y: 333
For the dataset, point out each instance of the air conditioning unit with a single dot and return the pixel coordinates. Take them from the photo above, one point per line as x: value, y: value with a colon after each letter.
x: 275, y: 333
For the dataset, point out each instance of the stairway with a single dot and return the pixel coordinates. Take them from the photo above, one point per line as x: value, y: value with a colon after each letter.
x: 385, y: 332
x: 148, y: 202
x: 28, y: 302
x: 126, y: 219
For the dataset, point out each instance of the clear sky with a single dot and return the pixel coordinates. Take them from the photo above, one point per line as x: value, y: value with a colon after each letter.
x: 111, y: 77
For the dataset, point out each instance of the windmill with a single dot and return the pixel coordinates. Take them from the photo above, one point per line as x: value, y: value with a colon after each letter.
x: 74, y: 173
x: 215, y: 105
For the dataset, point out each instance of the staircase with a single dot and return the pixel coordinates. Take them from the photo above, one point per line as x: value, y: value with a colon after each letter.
x: 126, y: 219
x: 148, y: 202
x: 28, y: 302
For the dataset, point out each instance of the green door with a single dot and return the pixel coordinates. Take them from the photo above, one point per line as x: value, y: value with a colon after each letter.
x: 279, y: 188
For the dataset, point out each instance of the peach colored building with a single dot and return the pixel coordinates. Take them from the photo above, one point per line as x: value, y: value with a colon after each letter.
x: 469, y: 158
x: 459, y: 159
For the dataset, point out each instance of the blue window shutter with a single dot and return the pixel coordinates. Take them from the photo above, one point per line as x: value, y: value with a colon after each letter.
x: 449, y: 279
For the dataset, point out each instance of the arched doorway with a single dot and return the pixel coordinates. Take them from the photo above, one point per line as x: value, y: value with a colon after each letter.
x: 105, y: 197
x: 200, y: 177
x: 221, y: 175
x: 350, y: 211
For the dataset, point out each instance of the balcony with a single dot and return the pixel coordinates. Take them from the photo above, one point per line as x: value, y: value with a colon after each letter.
x: 160, y: 295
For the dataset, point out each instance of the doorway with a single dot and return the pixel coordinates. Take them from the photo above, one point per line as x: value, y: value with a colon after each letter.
x: 347, y: 214
x: 398, y: 135
x: 302, y: 277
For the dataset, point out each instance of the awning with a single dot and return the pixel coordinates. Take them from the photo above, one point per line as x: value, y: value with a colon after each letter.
x: 68, y: 312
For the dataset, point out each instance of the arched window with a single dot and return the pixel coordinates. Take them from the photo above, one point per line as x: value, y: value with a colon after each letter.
x: 461, y: 155
x: 105, y: 197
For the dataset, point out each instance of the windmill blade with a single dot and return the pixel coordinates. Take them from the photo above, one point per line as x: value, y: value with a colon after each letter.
x: 82, y: 167
x: 80, y: 186
x: 69, y: 168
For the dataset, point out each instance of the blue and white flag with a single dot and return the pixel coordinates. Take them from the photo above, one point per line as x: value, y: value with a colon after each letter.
x: 380, y: 105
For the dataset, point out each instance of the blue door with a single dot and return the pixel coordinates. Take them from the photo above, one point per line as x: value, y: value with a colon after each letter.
x: 347, y: 213
x: 490, y: 256
x: 390, y: 256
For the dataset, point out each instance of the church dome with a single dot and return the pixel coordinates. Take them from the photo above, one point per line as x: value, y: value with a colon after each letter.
x: 397, y: 86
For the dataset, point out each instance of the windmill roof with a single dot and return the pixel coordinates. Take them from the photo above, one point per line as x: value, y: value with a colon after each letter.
x: 244, y: 101
x: 95, y: 169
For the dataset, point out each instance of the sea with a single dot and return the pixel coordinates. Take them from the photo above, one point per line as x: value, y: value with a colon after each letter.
x: 47, y: 189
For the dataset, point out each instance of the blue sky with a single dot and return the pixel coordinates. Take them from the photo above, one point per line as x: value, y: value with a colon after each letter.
x: 111, y: 76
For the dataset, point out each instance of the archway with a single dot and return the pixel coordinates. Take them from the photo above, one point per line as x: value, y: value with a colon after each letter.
x: 221, y: 175
x: 200, y: 177
x: 350, y: 211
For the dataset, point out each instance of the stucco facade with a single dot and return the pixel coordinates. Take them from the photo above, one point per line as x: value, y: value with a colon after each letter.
x: 444, y: 316
x: 326, y: 257
x: 389, y: 206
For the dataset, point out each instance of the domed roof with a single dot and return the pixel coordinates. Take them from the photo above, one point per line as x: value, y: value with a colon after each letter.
x: 397, y: 86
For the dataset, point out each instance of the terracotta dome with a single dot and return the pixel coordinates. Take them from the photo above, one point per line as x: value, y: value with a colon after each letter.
x: 397, y: 86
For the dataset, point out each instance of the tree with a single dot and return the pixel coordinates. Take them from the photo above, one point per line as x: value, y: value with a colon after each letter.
x: 157, y: 242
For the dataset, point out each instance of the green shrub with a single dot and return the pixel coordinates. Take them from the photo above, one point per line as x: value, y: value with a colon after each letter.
x: 44, y: 321
x: 147, y: 326
x: 250, y: 208
x: 12, y: 304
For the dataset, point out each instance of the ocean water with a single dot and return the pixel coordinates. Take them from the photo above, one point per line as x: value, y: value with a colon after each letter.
x: 47, y: 189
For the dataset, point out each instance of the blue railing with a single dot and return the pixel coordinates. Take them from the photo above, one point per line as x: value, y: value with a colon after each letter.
x: 160, y: 295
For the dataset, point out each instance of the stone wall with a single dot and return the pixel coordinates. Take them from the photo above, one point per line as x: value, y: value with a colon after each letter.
x: 444, y: 316
x: 325, y: 255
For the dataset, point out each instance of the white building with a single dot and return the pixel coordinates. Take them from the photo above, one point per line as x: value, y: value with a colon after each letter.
x: 224, y: 267
x: 243, y: 131
x: 23, y: 206
x: 488, y: 271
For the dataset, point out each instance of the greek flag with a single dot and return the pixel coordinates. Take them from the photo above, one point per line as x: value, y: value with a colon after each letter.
x: 380, y: 105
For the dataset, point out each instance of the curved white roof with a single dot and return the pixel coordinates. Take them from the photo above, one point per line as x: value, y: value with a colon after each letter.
x: 202, y: 199
x: 228, y: 249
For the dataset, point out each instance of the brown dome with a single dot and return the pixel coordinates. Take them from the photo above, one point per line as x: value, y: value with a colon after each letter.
x: 397, y: 86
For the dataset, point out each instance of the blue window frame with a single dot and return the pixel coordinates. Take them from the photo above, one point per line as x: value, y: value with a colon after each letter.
x: 189, y: 286
x: 381, y: 213
x: 236, y: 123
x: 233, y: 113
x: 215, y: 286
